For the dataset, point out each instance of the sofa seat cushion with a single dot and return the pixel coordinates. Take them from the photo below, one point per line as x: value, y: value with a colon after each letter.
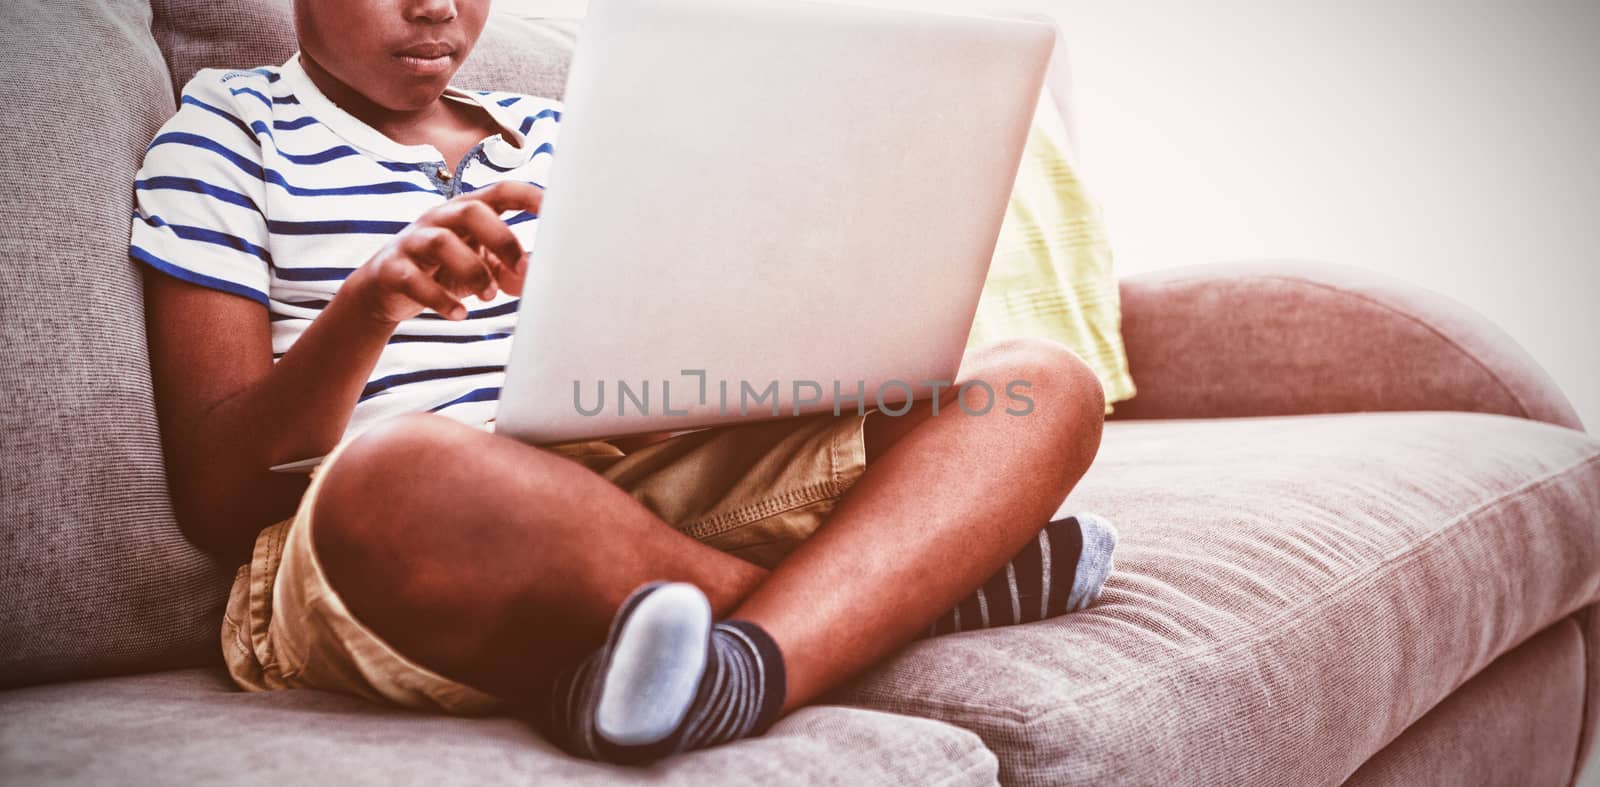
x: 191, y: 726
x: 1291, y: 593
x: 1516, y: 722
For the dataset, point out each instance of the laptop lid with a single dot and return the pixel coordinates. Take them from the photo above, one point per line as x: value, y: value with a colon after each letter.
x: 759, y: 207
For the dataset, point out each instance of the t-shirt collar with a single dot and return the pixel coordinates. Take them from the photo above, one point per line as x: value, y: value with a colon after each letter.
x: 356, y: 132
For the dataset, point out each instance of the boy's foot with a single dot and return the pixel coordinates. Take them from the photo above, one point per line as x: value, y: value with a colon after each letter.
x: 667, y: 680
x: 1061, y: 571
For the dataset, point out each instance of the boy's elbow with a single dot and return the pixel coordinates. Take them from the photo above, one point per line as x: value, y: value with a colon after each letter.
x: 223, y: 516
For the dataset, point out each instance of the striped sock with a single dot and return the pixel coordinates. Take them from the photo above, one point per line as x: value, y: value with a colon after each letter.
x: 667, y: 680
x: 1061, y: 571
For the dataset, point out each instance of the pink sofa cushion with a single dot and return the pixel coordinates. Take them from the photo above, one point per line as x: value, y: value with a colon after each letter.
x: 1291, y: 594
x: 1513, y: 723
x: 1285, y: 337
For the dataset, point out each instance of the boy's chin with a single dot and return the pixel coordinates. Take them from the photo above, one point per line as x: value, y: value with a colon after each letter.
x: 411, y: 97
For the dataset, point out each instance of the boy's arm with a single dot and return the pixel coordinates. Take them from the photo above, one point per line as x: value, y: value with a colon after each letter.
x: 228, y: 412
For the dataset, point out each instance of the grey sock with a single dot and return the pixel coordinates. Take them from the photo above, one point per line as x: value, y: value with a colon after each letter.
x: 1062, y: 570
x: 667, y: 680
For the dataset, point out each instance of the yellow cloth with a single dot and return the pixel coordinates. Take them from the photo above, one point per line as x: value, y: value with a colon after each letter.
x: 1051, y: 276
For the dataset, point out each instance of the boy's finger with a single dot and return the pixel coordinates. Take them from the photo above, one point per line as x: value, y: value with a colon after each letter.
x: 509, y: 195
x: 459, y: 263
x: 417, y: 244
x: 512, y: 276
x: 478, y: 222
x: 432, y: 294
x: 493, y: 264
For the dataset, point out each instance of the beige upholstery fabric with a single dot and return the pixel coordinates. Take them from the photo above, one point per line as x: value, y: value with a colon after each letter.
x: 191, y: 727
x: 516, y: 54
x: 94, y: 575
x: 1290, y: 594
x: 1512, y: 724
x: 1283, y: 338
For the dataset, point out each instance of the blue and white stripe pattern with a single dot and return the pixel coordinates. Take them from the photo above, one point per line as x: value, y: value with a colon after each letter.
x: 262, y: 187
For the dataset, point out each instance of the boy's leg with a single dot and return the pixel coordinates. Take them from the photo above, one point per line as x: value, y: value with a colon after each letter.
x: 944, y: 502
x: 492, y: 562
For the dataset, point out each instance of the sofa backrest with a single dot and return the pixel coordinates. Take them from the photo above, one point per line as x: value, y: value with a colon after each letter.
x: 93, y: 572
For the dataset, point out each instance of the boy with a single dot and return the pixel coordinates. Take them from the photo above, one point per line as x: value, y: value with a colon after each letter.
x: 329, y: 270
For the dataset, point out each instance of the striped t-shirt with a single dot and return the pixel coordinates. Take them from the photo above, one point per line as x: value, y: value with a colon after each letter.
x: 260, y: 186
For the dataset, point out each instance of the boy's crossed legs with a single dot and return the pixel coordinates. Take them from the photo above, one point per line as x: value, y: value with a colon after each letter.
x: 496, y: 564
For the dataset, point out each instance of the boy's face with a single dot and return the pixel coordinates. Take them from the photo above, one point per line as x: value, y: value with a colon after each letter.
x: 399, y: 54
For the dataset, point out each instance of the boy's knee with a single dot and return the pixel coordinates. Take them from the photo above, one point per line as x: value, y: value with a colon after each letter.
x: 350, y: 508
x: 388, y: 449
x: 408, y: 434
x: 1064, y: 399
x: 1046, y: 371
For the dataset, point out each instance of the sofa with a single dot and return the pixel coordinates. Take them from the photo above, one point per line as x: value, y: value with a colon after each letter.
x: 1360, y: 526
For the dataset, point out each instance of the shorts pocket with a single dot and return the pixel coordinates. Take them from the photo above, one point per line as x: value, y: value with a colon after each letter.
x: 767, y: 540
x: 238, y: 653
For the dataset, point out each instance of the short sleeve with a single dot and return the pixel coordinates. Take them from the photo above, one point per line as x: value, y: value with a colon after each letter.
x: 199, y: 196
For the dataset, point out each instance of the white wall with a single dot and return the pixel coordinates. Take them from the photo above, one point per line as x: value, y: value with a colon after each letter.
x: 556, y: 8
x: 1452, y: 144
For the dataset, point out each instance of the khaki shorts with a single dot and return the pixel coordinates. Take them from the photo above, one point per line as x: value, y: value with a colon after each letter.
x: 753, y: 490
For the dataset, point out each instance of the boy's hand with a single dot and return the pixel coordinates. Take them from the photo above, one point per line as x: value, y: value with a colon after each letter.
x: 459, y: 248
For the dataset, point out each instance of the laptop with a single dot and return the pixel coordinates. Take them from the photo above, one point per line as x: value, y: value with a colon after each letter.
x: 765, y: 208
x: 762, y: 209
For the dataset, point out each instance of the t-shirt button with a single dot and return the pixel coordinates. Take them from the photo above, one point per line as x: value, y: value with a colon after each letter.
x: 444, y: 174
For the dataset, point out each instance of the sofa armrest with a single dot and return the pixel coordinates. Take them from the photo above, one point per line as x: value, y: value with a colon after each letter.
x: 1294, y: 337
